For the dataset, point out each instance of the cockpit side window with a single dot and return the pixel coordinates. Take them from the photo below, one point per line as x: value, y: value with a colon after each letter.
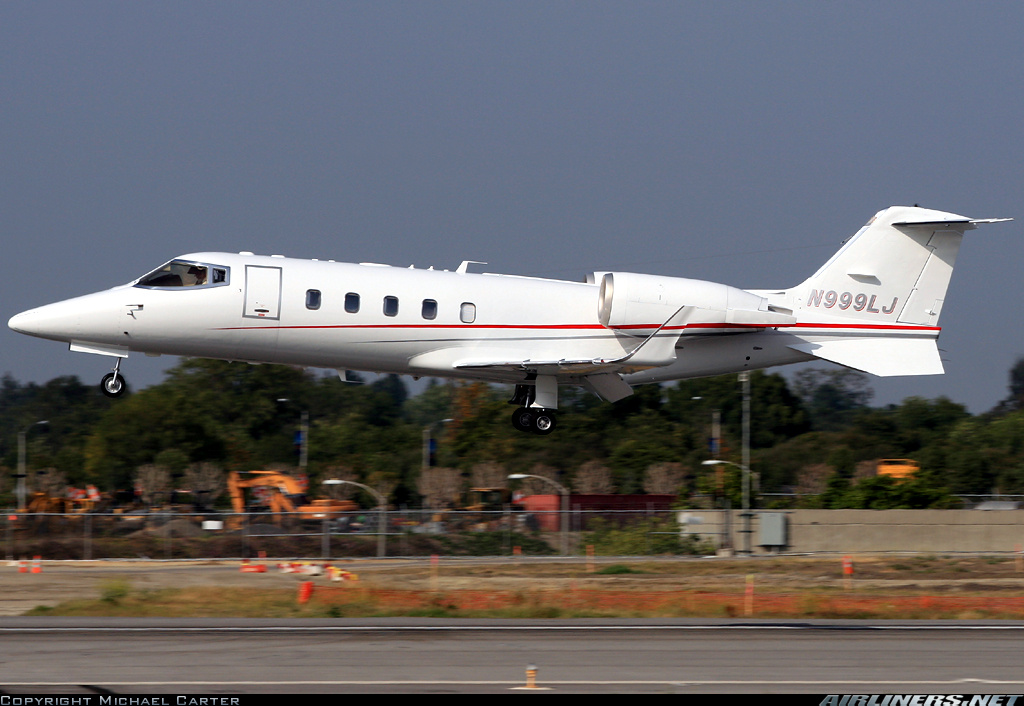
x: 179, y: 273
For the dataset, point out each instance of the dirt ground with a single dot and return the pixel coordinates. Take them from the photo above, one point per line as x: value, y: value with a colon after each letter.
x: 907, y: 575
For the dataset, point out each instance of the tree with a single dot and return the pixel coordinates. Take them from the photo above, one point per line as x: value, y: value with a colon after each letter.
x: 154, y: 482
x: 664, y: 478
x: 1015, y: 400
x: 593, y: 477
x: 207, y: 482
x: 440, y: 487
x: 488, y: 475
x: 831, y: 396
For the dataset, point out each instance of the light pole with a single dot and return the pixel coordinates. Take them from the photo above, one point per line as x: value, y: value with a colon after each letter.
x: 746, y: 498
x: 303, y: 435
x: 21, y: 463
x: 425, y: 463
x: 562, y: 491
x: 381, y: 510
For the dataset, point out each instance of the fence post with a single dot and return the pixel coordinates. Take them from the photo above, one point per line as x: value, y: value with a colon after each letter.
x: 87, y: 550
x: 170, y: 515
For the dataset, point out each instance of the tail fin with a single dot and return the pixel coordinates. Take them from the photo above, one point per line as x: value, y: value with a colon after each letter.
x: 887, y: 283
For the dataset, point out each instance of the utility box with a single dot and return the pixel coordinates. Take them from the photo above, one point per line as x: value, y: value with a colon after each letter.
x: 773, y: 530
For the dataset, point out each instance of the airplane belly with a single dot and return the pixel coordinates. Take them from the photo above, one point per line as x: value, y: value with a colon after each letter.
x: 718, y: 355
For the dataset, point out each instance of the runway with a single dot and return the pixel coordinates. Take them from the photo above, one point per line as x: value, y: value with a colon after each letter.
x: 220, y: 657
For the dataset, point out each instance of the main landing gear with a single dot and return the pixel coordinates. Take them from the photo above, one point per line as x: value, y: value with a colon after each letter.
x: 538, y: 421
x: 113, y: 384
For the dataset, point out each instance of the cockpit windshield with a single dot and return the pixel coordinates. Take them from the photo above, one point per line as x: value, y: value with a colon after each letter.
x: 180, y: 273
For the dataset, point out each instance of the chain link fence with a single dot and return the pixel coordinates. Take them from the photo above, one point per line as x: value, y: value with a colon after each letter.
x: 404, y: 533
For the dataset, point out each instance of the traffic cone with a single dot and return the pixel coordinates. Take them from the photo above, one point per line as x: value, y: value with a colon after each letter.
x: 22, y: 567
x: 37, y: 567
x: 305, y: 591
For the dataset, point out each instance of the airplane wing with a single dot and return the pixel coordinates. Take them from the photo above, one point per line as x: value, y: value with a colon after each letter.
x: 656, y: 350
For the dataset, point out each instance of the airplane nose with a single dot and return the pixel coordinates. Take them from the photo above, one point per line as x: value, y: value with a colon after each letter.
x: 46, y: 322
x: 20, y: 322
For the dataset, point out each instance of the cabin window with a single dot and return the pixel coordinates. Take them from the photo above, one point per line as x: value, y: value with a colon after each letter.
x: 179, y: 273
x: 313, y: 297
x: 390, y: 306
x: 467, y: 312
x: 352, y: 303
x: 429, y: 309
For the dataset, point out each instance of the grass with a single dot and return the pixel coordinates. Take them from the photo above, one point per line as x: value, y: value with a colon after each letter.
x: 790, y: 588
x: 616, y: 569
x: 332, y: 602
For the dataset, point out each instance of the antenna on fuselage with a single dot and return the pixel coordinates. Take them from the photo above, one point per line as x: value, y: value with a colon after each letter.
x: 464, y: 267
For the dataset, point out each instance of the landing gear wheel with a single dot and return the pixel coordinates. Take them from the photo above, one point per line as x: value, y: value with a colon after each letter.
x: 543, y: 422
x: 522, y: 419
x: 112, y: 385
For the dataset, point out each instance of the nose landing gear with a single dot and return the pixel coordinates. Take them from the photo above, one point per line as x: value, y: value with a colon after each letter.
x: 113, y: 384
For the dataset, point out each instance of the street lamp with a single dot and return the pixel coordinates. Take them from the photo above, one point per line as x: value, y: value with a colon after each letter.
x: 303, y: 435
x: 381, y: 510
x: 564, y: 492
x: 427, y: 439
x: 21, y: 463
x: 746, y: 498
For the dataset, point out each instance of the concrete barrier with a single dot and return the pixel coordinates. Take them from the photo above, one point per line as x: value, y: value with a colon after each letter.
x: 866, y: 530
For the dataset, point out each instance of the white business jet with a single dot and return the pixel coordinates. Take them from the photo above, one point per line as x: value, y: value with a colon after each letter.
x: 874, y: 306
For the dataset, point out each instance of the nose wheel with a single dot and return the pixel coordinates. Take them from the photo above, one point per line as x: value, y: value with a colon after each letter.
x: 113, y: 384
x: 537, y: 421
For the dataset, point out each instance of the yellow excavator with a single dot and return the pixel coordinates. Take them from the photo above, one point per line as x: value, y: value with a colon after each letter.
x: 286, y: 495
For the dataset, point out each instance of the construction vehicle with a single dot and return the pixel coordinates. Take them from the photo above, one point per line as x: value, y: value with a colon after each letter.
x: 284, y: 495
x: 75, y: 502
x: 478, y: 509
x: 487, y: 499
x: 898, y: 468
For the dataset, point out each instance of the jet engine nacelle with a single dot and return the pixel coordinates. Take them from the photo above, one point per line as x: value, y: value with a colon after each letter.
x: 638, y: 304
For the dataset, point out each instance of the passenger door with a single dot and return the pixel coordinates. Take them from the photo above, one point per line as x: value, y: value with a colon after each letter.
x: 262, y: 292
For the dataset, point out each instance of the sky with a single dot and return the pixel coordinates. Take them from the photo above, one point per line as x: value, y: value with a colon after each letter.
x: 737, y: 142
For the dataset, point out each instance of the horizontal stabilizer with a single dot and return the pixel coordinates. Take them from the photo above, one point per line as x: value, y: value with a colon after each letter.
x: 956, y: 223
x: 885, y: 357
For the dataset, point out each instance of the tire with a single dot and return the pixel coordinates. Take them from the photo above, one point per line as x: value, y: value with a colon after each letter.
x: 544, y: 423
x: 113, y: 385
x: 522, y: 419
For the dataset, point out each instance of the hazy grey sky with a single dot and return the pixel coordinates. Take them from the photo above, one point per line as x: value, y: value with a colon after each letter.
x: 732, y: 141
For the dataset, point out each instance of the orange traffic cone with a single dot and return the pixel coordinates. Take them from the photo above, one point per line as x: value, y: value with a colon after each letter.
x: 37, y: 567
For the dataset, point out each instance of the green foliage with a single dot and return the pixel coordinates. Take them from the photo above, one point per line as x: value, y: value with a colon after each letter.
x: 616, y: 570
x: 244, y: 417
x: 645, y: 537
x: 493, y: 544
x: 114, y: 591
x: 886, y: 493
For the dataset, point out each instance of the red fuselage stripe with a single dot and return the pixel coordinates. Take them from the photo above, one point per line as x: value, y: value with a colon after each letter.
x: 592, y: 327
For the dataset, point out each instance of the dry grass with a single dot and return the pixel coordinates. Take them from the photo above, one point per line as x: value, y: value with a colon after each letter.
x: 913, y: 587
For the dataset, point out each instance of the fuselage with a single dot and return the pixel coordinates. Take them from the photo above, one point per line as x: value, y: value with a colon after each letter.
x: 375, y: 318
x: 873, y: 306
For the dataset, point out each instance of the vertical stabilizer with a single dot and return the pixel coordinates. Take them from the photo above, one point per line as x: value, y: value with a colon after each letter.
x: 896, y: 269
x: 875, y: 305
